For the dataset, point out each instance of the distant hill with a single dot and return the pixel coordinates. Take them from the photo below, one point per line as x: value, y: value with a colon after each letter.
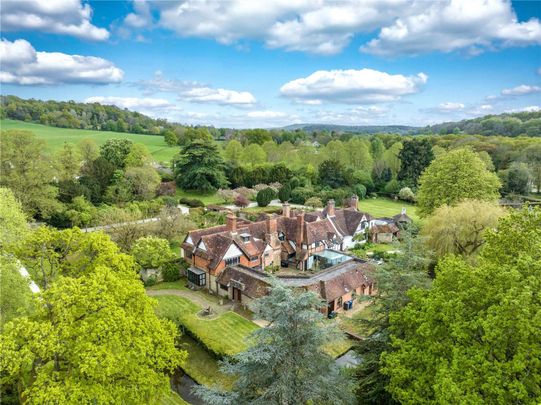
x: 358, y: 129
x: 509, y: 124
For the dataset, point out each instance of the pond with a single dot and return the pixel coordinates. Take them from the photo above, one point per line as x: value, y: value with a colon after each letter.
x: 182, y: 384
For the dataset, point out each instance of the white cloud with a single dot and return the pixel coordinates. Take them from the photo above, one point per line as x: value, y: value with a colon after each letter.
x: 362, y: 115
x: 521, y: 90
x: 196, y: 92
x: 22, y: 64
x: 530, y: 108
x: 454, y: 25
x: 131, y: 103
x: 327, y: 26
x: 365, y: 86
x: 67, y: 17
x: 267, y: 114
x: 142, y: 16
x: 450, y: 107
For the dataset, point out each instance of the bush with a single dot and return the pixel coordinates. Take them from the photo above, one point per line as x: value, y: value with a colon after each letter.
x: 152, y: 280
x: 392, y: 187
x: 191, y: 202
x: 246, y: 192
x: 284, y: 194
x: 169, y: 201
x: 300, y: 194
x: 241, y: 201
x: 228, y: 196
x: 314, y: 202
x: 171, y: 271
x: 360, y: 190
x: 265, y: 196
x: 406, y: 194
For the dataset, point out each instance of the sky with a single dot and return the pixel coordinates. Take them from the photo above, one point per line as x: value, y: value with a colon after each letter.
x: 271, y: 63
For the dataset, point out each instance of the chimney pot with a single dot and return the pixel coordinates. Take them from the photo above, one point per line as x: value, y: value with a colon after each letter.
x: 354, y: 202
x: 231, y: 222
x: 330, y: 208
x: 286, y: 209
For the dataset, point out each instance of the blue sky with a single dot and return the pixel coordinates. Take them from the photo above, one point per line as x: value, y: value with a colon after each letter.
x: 242, y: 63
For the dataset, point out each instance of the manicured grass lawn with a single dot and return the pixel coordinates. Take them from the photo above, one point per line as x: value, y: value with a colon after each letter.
x: 172, y: 398
x: 55, y: 137
x: 224, y: 335
x: 339, y: 347
x: 383, y: 207
x: 202, y: 366
x: 211, y: 198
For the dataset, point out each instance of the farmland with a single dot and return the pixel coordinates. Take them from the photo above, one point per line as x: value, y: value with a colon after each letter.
x: 55, y: 137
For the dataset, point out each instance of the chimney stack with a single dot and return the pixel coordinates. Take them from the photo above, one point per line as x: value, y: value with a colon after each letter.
x: 300, y: 232
x: 231, y: 222
x: 330, y: 208
x: 285, y: 209
x: 271, y: 225
x: 354, y: 202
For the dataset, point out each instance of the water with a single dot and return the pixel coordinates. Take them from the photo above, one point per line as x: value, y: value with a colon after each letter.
x: 182, y: 384
x: 348, y: 359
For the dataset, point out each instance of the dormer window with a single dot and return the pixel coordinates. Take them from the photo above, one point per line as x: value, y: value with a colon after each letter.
x: 245, y: 237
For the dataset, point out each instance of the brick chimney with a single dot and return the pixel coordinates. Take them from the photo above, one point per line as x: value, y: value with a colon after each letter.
x: 300, y: 232
x: 231, y: 221
x: 286, y: 209
x: 271, y: 224
x: 354, y: 202
x: 330, y: 208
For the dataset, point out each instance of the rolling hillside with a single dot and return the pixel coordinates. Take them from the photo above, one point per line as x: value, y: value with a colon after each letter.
x: 55, y: 137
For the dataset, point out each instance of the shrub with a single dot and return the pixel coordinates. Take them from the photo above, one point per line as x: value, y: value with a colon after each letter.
x: 191, y: 202
x: 392, y: 187
x: 152, y: 280
x: 406, y: 194
x: 314, y: 202
x: 300, y: 194
x: 284, y: 194
x: 167, y: 188
x: 171, y: 271
x: 169, y: 201
x: 265, y: 196
x: 228, y: 196
x: 360, y: 190
x: 246, y: 192
x: 241, y: 201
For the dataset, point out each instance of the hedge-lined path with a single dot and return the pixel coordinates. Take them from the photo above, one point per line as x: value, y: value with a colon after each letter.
x: 196, y: 297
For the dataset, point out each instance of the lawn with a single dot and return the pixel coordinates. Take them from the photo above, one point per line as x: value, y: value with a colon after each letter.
x: 55, y: 137
x: 202, y: 366
x: 384, y: 207
x: 170, y: 285
x: 210, y: 198
x: 224, y: 335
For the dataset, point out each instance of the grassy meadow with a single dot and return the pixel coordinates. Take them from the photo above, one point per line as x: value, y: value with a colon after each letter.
x: 55, y: 137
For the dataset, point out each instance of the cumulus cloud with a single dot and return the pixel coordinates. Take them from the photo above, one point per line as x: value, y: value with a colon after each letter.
x: 450, y: 107
x: 521, y: 90
x: 453, y: 25
x: 327, y: 26
x: 22, y: 64
x: 141, y: 17
x: 67, y: 17
x: 196, y: 92
x: 530, y: 108
x: 365, y: 86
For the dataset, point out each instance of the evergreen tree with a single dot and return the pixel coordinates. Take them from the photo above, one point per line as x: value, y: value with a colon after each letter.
x: 394, y: 279
x: 415, y: 156
x: 200, y: 167
x: 286, y: 364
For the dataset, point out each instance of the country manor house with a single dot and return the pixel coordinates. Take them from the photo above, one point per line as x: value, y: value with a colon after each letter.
x: 304, y: 250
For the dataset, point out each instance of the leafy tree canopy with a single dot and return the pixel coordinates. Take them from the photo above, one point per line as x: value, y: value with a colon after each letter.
x: 458, y: 175
x: 415, y: 156
x: 475, y: 334
x: 152, y: 252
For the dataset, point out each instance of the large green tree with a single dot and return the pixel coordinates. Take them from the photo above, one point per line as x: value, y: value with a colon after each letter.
x: 96, y: 340
x: 453, y: 177
x: 394, y: 279
x: 460, y: 229
x: 13, y: 226
x: 28, y: 172
x: 15, y: 297
x: 200, y: 167
x: 233, y: 151
x: 415, y: 156
x: 475, y: 335
x: 115, y: 151
x: 286, y: 364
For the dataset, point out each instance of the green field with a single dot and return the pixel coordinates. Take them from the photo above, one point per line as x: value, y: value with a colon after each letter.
x: 55, y: 137
x: 383, y: 207
x: 224, y: 335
